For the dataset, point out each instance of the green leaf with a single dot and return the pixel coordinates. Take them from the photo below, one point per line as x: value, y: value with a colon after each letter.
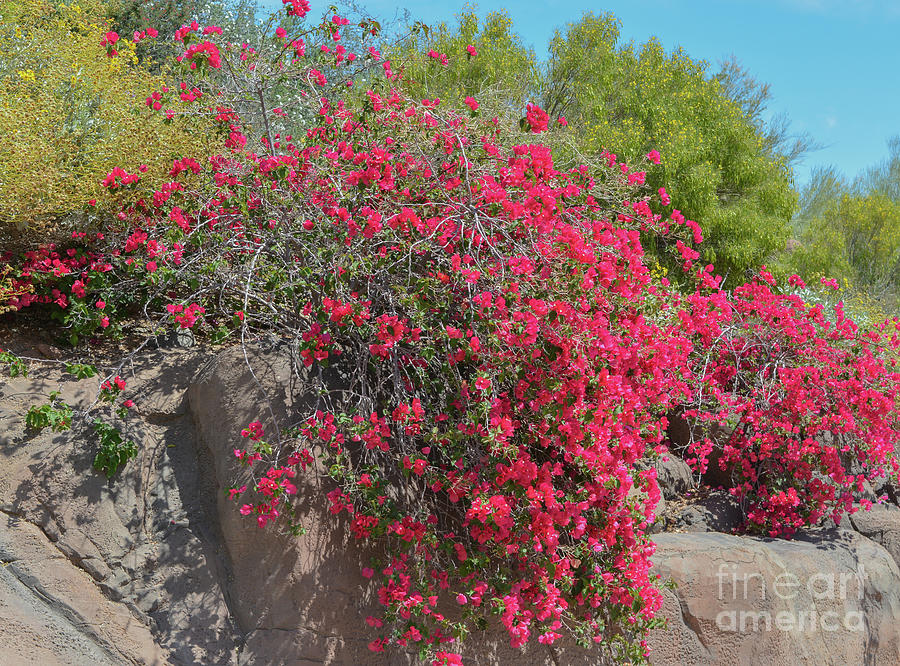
x: 81, y: 370
x: 114, y: 452
x: 16, y: 365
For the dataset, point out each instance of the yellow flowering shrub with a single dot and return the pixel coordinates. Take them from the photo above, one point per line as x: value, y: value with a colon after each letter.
x: 69, y: 113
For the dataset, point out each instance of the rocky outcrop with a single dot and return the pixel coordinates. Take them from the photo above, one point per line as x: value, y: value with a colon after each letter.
x: 673, y: 476
x: 828, y: 597
x: 122, y: 571
x: 703, y: 511
x: 882, y: 525
x: 51, y: 611
x: 296, y: 601
x: 158, y: 566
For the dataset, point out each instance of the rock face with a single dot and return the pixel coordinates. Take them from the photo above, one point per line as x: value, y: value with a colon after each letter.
x: 120, y: 572
x: 673, y: 475
x: 159, y: 567
x: 298, y: 601
x: 829, y: 598
x: 52, y: 612
x: 882, y: 525
x: 714, y: 511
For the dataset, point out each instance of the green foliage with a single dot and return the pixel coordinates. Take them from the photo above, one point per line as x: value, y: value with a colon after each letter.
x: 114, y: 452
x: 861, y: 241
x: 850, y: 231
x: 504, y: 70
x: 68, y: 114
x: 237, y: 18
x: 723, y: 166
x: 753, y: 97
x: 55, y: 415
x: 81, y: 370
x: 15, y: 365
x: 717, y: 165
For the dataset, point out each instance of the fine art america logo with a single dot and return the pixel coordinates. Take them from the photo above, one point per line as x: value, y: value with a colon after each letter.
x: 815, y: 603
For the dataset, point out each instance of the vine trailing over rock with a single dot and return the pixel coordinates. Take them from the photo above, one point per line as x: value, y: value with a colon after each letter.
x: 496, y: 364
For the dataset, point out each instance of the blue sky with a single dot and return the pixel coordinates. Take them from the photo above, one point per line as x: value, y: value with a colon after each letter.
x: 833, y: 65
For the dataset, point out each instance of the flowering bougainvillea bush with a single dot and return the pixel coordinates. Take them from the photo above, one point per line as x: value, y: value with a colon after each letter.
x: 507, y: 361
x: 809, y: 403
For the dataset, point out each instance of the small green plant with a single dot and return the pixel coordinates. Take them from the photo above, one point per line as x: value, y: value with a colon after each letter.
x: 81, y: 370
x: 16, y: 365
x: 55, y: 414
x: 115, y: 452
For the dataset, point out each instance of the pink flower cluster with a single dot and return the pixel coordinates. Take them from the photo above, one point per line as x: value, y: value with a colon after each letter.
x: 185, y: 317
x: 202, y: 53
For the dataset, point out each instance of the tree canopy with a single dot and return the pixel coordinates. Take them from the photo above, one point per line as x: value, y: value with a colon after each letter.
x: 723, y: 166
x: 850, y: 230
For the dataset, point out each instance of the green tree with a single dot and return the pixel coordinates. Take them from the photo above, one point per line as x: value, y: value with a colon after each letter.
x: 723, y: 164
x: 720, y: 167
x: 237, y: 18
x: 754, y: 96
x: 503, y: 73
x: 850, y: 231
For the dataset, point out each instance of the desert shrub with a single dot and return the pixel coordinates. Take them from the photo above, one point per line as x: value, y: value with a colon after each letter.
x: 67, y: 116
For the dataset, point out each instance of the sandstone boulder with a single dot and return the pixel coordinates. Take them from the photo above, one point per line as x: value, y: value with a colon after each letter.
x: 881, y: 524
x: 133, y: 559
x: 824, y: 598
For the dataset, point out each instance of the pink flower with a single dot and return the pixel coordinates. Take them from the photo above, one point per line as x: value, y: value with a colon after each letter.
x: 368, y: 572
x: 441, y: 57
x: 280, y: 32
x: 536, y: 118
x: 296, y: 7
x: 472, y: 51
x: 471, y: 103
x: 254, y: 431
x: 100, y: 304
x: 104, y: 322
x: 654, y: 157
x: 109, y: 40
